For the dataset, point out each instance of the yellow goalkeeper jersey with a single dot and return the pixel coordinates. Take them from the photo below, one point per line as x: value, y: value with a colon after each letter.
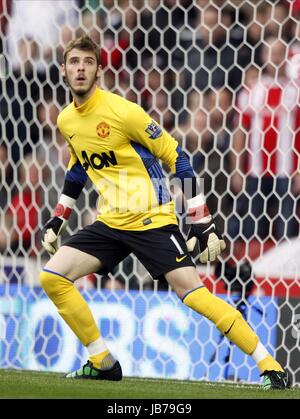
x: 118, y: 145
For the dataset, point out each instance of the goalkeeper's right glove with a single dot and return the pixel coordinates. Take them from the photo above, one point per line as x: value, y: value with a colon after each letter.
x: 203, y: 230
x: 210, y: 241
x: 55, y: 226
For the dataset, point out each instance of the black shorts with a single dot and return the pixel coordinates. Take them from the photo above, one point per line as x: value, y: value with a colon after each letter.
x: 160, y: 250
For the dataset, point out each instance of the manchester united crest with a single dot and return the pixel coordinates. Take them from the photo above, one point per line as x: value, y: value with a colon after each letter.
x: 103, y: 129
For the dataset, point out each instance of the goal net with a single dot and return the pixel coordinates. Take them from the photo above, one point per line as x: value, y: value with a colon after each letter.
x: 223, y: 78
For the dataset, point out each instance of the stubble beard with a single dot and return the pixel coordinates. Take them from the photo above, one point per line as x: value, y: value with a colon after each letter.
x: 81, y: 91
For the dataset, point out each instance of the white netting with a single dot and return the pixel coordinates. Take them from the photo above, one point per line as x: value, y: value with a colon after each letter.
x: 223, y: 78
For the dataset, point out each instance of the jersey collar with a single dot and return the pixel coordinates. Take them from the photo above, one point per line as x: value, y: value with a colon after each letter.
x: 90, y: 104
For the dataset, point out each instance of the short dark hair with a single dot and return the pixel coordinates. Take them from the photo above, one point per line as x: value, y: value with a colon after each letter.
x: 84, y: 43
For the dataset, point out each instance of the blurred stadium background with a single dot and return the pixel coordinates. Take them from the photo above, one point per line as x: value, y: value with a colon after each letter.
x: 223, y: 78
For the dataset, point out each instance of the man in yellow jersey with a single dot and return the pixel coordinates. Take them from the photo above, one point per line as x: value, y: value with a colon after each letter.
x: 117, y: 145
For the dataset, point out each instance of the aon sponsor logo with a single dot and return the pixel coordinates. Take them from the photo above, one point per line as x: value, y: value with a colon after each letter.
x: 98, y: 161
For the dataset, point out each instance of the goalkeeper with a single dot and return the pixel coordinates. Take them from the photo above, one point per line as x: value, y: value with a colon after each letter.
x: 117, y: 145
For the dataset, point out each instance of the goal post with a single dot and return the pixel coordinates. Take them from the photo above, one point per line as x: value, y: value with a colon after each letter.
x: 224, y: 79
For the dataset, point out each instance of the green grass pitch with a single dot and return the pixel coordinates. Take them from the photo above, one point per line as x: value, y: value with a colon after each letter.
x: 34, y: 385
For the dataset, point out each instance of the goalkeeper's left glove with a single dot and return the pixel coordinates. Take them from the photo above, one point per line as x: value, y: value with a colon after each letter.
x: 203, y: 229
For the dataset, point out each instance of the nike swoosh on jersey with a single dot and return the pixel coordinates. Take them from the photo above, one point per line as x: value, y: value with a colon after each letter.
x: 180, y: 259
x: 209, y: 228
x: 71, y: 136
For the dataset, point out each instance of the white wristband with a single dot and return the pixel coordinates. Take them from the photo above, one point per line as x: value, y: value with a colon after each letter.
x: 64, y: 207
x: 67, y: 201
x: 196, y: 201
x: 197, y: 210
